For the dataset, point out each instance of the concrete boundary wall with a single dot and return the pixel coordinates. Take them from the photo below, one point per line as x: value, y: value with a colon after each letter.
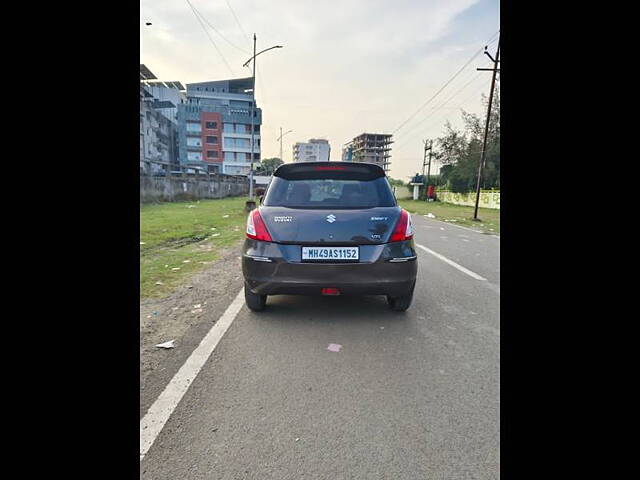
x: 176, y: 188
x: 488, y: 199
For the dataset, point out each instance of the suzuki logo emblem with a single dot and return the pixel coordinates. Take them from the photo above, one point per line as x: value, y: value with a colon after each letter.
x: 331, y: 218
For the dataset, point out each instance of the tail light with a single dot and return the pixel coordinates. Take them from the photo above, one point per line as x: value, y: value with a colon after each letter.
x: 404, y: 228
x: 256, y: 229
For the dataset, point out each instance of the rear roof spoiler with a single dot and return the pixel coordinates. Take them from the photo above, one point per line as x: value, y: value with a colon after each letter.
x: 329, y: 170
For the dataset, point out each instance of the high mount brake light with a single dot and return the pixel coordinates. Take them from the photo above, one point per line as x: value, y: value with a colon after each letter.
x: 330, y: 291
x: 331, y: 167
x: 404, y: 228
x: 256, y: 229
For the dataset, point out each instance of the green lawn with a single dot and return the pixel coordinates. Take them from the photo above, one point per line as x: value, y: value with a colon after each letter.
x: 185, y: 235
x: 456, y: 214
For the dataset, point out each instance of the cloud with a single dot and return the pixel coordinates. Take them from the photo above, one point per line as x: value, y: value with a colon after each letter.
x: 346, y: 67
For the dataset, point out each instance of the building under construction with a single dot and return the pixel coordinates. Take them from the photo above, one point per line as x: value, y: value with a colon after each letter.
x: 369, y: 148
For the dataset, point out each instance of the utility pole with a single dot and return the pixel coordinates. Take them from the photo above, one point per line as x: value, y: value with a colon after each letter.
x: 495, y: 70
x: 424, y: 159
x: 429, y: 168
x: 253, y: 104
x: 428, y: 147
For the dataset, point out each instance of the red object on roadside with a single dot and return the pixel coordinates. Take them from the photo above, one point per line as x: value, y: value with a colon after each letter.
x: 431, y: 190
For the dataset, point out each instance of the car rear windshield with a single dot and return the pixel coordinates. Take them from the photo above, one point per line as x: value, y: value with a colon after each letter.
x: 329, y: 193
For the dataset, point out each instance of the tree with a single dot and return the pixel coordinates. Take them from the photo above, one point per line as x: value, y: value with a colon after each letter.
x: 460, y: 151
x: 269, y: 165
x: 396, y: 183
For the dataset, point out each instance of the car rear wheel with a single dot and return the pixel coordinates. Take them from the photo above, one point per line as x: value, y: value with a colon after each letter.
x: 254, y: 301
x: 402, y: 303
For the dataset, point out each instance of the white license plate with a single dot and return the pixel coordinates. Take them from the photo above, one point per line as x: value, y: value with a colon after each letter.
x: 330, y: 253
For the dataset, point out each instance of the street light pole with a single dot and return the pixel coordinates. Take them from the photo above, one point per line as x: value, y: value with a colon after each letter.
x: 250, y: 202
x: 253, y: 104
x: 280, y: 138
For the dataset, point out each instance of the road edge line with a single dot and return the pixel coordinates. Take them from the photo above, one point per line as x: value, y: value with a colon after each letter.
x: 453, y: 224
x: 156, y: 417
x: 452, y: 263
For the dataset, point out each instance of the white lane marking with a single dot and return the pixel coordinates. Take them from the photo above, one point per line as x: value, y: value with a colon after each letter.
x: 451, y: 262
x: 154, y: 420
x: 465, y: 228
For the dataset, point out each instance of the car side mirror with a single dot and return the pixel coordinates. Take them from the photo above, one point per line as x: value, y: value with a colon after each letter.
x: 260, y: 199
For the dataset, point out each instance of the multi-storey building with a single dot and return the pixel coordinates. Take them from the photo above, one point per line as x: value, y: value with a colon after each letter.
x: 158, y: 122
x: 369, y: 148
x: 315, y: 150
x: 214, y: 125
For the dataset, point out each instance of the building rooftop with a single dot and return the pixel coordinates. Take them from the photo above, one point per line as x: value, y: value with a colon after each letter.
x: 234, y: 85
x: 145, y: 73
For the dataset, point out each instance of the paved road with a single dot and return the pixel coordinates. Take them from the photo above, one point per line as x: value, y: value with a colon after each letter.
x: 413, y: 396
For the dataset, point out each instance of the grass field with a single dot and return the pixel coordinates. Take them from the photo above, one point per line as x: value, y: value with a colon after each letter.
x: 456, y: 214
x: 179, y: 239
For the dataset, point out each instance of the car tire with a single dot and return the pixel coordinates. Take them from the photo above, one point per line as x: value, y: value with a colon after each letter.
x: 402, y: 303
x: 254, y: 301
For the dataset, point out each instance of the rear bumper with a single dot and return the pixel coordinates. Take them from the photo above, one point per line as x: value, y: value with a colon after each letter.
x: 274, y: 269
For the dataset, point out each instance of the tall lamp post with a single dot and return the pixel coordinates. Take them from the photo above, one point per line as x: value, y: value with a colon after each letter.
x: 250, y: 203
x: 280, y: 139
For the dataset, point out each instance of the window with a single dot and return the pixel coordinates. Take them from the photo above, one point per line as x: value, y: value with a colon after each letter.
x: 212, y: 154
x: 211, y: 125
x: 193, y: 127
x: 212, y: 140
x: 329, y: 192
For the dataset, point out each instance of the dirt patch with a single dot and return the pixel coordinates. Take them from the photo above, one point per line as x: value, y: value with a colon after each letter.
x: 185, y: 316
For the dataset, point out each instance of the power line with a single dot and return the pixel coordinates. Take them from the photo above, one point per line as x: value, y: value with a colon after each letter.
x: 210, y: 39
x: 435, y: 109
x: 431, y: 125
x: 475, y: 92
x: 237, y: 21
x: 443, y: 87
x: 218, y: 32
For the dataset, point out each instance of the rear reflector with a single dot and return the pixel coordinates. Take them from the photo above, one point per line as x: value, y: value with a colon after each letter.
x: 330, y: 291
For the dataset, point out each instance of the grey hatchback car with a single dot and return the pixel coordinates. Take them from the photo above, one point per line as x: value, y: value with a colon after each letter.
x: 329, y: 228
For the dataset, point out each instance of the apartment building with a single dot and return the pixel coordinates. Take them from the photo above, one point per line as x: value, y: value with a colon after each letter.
x: 369, y: 148
x: 158, y: 122
x: 214, y: 125
x: 315, y: 150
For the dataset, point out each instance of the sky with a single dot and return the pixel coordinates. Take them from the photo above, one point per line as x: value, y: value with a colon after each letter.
x: 346, y: 66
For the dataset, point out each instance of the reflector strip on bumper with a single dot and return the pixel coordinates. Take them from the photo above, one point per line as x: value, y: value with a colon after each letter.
x: 259, y: 259
x: 402, y: 259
